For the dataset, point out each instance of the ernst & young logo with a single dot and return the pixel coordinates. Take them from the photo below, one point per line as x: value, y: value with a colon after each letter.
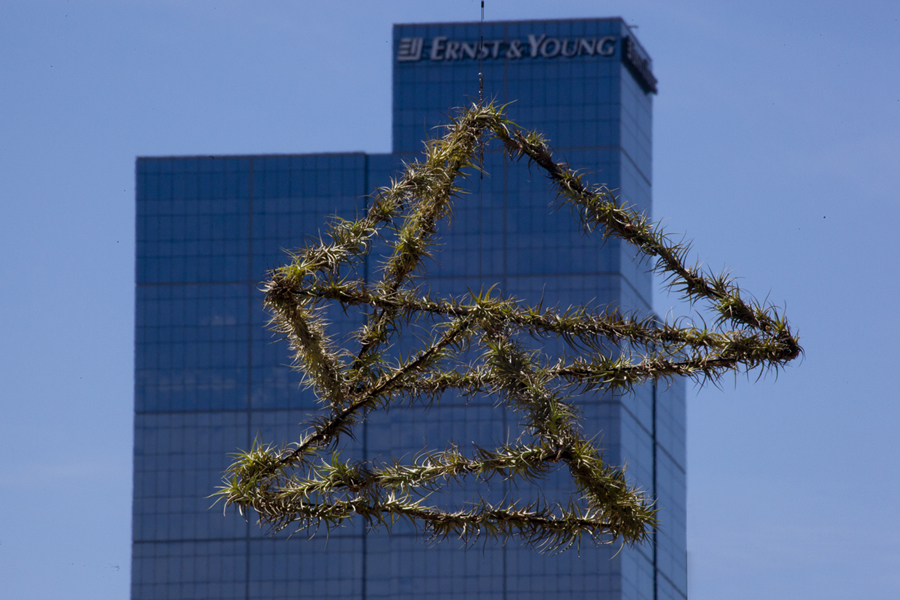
x: 442, y: 49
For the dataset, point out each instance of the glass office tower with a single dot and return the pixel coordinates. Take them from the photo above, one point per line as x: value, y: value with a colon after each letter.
x: 210, y: 378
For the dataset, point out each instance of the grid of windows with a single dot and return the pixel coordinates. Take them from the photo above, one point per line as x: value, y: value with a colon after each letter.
x: 210, y: 378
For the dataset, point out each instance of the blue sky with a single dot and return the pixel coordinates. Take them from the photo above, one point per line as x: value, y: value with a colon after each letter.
x: 777, y: 138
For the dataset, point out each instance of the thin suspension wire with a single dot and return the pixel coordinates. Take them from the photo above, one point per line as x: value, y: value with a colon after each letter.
x: 481, y: 85
x: 481, y: 59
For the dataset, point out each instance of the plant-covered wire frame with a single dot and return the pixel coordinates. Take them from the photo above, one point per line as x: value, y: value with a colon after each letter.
x: 307, y: 485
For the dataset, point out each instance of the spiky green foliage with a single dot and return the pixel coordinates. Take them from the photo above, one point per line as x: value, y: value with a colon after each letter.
x: 307, y: 484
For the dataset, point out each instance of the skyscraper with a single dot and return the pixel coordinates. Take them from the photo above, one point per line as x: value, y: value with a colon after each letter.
x: 210, y: 378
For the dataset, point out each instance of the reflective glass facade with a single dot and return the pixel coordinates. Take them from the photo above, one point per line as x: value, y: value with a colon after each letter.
x: 210, y: 378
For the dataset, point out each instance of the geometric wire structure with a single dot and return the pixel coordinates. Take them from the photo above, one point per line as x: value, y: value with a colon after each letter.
x: 474, y: 347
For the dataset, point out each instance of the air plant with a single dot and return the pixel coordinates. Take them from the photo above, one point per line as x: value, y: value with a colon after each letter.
x: 474, y: 346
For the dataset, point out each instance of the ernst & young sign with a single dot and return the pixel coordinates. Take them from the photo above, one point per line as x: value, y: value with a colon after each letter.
x: 444, y: 49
